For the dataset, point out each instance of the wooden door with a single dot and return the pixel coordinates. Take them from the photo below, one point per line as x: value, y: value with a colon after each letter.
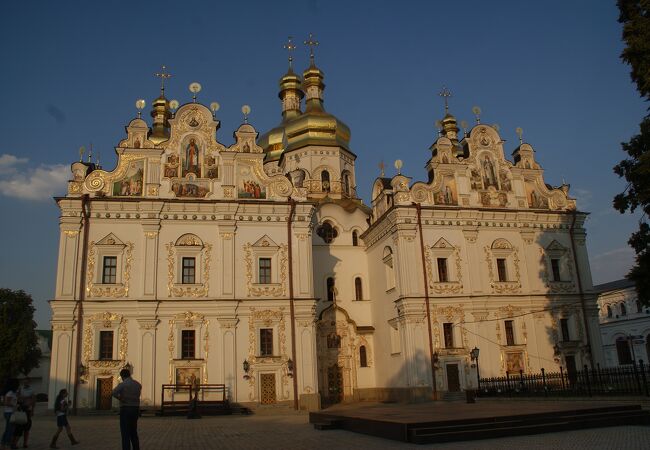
x: 267, y: 387
x: 453, y: 378
x: 104, y: 393
x: 334, y: 384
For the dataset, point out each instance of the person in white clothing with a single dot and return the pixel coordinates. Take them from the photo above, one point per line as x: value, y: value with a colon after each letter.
x: 10, y: 402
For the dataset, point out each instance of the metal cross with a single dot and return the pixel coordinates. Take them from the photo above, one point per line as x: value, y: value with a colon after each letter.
x: 163, y: 75
x: 289, y: 47
x: 311, y: 42
x: 445, y: 93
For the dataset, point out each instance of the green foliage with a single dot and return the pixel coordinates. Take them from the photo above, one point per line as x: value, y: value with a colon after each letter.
x: 19, y: 351
x: 635, y: 17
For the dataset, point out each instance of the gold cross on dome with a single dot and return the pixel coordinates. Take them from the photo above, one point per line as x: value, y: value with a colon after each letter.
x: 381, y: 168
x: 445, y: 93
x: 289, y: 47
x: 163, y: 75
x: 311, y: 42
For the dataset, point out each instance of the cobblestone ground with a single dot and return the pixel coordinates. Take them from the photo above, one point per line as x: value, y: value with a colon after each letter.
x: 294, y: 432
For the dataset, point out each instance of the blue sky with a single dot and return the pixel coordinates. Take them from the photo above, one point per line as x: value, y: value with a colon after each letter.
x: 71, y: 72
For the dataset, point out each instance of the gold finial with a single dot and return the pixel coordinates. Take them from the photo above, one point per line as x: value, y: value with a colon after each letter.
x: 398, y: 166
x: 445, y: 93
x: 90, y: 153
x: 82, y: 150
x: 289, y: 47
x: 381, y: 168
x: 246, y: 110
x: 464, y: 124
x: 163, y: 75
x: 311, y: 42
x: 477, y: 112
x: 520, y: 133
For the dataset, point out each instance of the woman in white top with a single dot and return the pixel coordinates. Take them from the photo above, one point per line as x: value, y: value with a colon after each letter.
x: 10, y: 402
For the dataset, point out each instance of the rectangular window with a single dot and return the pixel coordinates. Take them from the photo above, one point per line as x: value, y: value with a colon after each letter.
x: 188, y: 344
x: 189, y: 270
x: 564, y: 325
x: 555, y: 267
x: 266, y: 342
x: 510, y: 332
x: 623, y: 351
x: 448, y: 331
x: 443, y: 276
x: 109, y: 272
x: 501, y: 269
x: 264, y: 272
x: 105, y: 345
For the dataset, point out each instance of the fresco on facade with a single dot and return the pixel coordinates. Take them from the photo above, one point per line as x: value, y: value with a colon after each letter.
x: 191, y: 157
x: 131, y: 184
x: 188, y: 375
x: 476, y: 182
x: 489, y: 172
x: 535, y: 199
x: 506, y: 184
x: 190, y: 188
x: 514, y: 362
x: 249, y: 186
x: 447, y: 194
x: 171, y: 167
x: 210, y: 167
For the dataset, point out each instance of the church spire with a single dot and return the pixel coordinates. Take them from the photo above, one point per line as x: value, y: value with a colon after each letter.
x: 313, y: 80
x: 160, y: 111
x: 290, y: 92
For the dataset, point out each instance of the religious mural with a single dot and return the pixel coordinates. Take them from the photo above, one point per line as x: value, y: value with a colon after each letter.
x: 514, y: 362
x: 447, y: 194
x: 535, y: 199
x: 476, y: 181
x: 131, y: 184
x: 191, y: 188
x: 489, y: 173
x: 171, y: 167
x: 506, y: 184
x: 210, y: 167
x: 188, y: 375
x: 191, y: 157
x: 249, y: 186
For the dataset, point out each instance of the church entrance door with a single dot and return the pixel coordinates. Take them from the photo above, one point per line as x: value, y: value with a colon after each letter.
x: 267, y: 386
x: 104, y: 391
x: 334, y: 384
x: 453, y: 379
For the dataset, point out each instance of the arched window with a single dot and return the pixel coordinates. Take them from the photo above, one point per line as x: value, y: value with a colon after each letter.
x: 346, y: 183
x: 389, y: 270
x: 363, y: 356
x: 623, y: 310
x: 609, y: 311
x: 331, y: 289
x: 355, y: 239
x: 327, y: 232
x: 325, y: 180
x: 358, y: 289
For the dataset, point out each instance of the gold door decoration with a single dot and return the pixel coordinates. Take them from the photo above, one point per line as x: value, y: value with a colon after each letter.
x: 188, y: 319
x: 277, y: 290
x: 198, y: 290
x: 104, y: 320
x: 267, y: 388
x: 114, y: 290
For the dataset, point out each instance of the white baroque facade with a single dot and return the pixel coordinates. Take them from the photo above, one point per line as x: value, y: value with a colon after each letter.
x: 193, y: 260
x: 624, y: 324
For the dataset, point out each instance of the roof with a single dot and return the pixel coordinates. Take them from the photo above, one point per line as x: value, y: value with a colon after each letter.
x: 614, y: 285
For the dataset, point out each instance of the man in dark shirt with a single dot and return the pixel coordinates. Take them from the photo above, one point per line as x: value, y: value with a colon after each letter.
x: 128, y: 393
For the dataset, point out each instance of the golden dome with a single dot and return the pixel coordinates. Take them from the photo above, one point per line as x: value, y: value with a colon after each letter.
x: 315, y: 126
x: 161, y: 114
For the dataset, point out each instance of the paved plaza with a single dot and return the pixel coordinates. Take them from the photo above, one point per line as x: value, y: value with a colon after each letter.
x: 292, y: 431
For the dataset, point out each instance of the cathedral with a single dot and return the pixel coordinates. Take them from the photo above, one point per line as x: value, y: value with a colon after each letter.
x: 256, y: 266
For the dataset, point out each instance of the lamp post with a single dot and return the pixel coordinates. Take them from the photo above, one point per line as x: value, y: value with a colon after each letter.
x: 474, y: 356
x: 435, y: 358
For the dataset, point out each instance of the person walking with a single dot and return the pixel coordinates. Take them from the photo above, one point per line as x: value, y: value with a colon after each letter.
x: 61, y: 405
x: 27, y: 401
x: 128, y: 393
x: 10, y: 403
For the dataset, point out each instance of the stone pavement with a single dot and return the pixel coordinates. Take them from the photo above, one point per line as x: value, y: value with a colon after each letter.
x: 292, y: 431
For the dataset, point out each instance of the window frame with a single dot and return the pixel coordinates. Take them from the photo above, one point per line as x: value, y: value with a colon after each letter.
x: 266, y: 339
x: 192, y: 268
x: 502, y: 269
x: 358, y: 289
x: 363, y: 356
x: 443, y: 270
x: 556, y: 271
x: 102, y: 353
x: 265, y: 273
x: 188, y: 351
x: 113, y: 273
x: 564, y: 329
x: 330, y: 289
x: 448, y: 334
x: 509, y: 327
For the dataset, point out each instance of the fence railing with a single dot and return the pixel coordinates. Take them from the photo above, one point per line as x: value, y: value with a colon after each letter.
x: 633, y: 379
x: 183, y: 397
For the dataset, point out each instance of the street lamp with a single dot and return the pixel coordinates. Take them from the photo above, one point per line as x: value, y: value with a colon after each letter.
x: 247, y: 367
x: 474, y: 356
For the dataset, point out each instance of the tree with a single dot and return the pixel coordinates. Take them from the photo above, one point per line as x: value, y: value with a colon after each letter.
x: 635, y: 17
x: 19, y: 350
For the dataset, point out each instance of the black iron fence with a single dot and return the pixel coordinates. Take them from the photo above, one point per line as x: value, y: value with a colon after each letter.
x: 632, y: 379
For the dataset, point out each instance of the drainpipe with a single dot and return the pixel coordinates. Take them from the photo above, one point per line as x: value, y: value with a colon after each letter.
x: 418, y: 208
x: 291, y: 306
x: 85, y: 224
x: 580, y: 291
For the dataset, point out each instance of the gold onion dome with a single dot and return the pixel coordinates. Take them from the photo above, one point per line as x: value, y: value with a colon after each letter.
x: 161, y: 113
x: 273, y: 141
x: 450, y: 127
x: 315, y: 126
